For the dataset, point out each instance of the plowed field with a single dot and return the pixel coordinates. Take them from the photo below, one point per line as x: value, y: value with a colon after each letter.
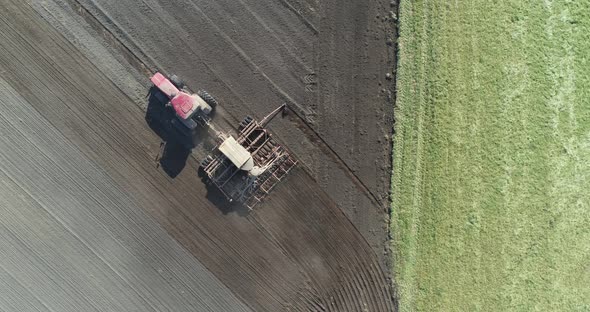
x: 89, y: 223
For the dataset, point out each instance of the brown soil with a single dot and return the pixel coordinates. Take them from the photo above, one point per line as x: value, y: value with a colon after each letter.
x: 305, y: 248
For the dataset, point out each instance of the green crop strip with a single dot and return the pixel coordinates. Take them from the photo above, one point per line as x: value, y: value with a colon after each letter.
x: 491, y: 180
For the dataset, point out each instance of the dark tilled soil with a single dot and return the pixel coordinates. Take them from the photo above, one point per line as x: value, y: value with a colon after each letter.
x: 327, y: 60
x: 298, y: 250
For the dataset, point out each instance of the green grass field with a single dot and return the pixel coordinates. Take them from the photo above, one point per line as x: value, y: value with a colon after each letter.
x: 491, y: 182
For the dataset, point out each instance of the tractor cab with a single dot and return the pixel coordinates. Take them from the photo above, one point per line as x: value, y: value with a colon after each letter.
x: 186, y: 106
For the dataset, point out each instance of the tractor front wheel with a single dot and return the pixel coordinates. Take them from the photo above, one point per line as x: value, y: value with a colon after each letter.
x: 176, y: 81
x: 207, y: 98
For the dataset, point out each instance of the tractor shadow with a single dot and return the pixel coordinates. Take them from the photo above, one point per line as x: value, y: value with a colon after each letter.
x: 174, y: 158
x: 177, y: 144
x: 217, y: 198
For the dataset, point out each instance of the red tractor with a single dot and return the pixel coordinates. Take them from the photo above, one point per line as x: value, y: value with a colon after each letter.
x: 190, y: 109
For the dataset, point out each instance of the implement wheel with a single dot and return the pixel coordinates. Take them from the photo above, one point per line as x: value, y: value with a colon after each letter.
x: 244, y: 123
x: 206, y: 161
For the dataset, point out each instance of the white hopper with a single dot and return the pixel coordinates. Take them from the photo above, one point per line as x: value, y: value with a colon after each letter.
x: 237, y: 154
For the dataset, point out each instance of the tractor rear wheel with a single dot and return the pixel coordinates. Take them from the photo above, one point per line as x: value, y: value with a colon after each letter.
x: 207, y: 98
x: 176, y: 81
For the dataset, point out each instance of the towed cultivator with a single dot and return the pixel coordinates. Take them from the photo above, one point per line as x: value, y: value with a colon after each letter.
x: 245, y: 169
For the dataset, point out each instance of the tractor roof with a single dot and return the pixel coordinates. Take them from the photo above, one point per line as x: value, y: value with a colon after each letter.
x: 184, y: 104
x: 164, y: 84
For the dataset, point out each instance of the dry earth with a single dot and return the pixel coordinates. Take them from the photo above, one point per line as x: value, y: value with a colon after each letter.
x: 80, y: 183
